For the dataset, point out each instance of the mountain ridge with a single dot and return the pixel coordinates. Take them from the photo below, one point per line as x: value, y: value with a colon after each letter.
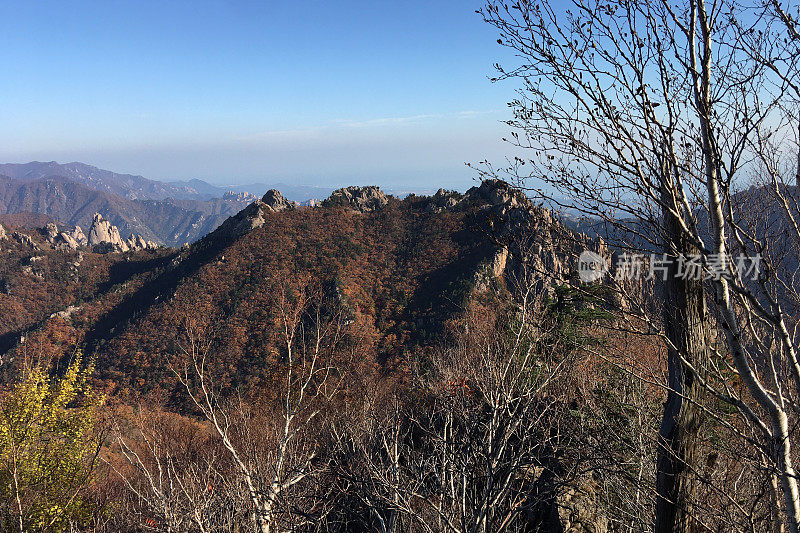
x: 171, y: 221
x: 402, y: 269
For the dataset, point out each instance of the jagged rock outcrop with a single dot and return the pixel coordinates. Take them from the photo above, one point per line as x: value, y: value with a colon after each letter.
x: 233, y: 196
x: 65, y: 240
x: 104, y: 237
x: 252, y: 216
x: 360, y: 199
x: 443, y: 200
x: 275, y: 201
x: 25, y: 239
x: 528, y: 242
x: 496, y: 193
x: 2, y: 232
x: 78, y: 236
x: 51, y: 232
x: 137, y: 242
x: 72, y: 239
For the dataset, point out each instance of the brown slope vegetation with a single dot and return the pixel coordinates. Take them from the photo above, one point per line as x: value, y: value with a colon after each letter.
x: 37, y: 281
x: 386, y: 269
x: 27, y: 220
x: 400, y: 273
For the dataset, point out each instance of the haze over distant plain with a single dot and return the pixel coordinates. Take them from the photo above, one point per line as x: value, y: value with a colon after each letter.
x: 319, y: 93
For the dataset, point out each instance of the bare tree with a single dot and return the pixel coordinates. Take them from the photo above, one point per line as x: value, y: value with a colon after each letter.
x: 486, y: 441
x: 270, y: 469
x: 174, y: 474
x: 252, y: 450
x: 651, y: 116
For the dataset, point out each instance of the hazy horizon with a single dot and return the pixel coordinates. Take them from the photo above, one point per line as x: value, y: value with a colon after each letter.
x: 234, y: 93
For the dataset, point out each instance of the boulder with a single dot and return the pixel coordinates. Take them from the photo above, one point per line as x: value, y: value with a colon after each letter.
x: 360, y: 199
x: 2, y: 232
x: 66, y: 313
x: 65, y: 240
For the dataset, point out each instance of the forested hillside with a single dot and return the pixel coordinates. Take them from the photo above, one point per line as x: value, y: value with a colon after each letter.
x: 402, y: 272
x: 371, y: 291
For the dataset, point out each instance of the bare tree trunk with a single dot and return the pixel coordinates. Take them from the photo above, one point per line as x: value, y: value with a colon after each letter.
x: 686, y: 327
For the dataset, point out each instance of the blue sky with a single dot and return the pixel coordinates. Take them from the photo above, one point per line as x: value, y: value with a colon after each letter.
x: 387, y: 92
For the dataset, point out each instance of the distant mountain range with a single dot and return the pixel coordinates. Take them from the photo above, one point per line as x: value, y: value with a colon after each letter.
x: 124, y: 185
x: 134, y: 187
x: 296, y: 193
x: 169, y: 221
x: 170, y: 213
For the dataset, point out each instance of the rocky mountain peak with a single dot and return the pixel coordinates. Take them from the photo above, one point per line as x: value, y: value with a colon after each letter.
x: 443, y: 200
x: 252, y: 216
x: 362, y: 199
x: 104, y: 238
x: 275, y: 201
x: 497, y: 193
x: 527, y: 240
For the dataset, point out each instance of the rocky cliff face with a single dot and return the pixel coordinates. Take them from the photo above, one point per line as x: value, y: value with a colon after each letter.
x: 528, y: 242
